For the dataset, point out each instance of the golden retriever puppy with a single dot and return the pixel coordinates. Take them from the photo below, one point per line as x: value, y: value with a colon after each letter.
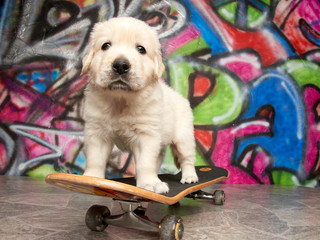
x: 126, y: 105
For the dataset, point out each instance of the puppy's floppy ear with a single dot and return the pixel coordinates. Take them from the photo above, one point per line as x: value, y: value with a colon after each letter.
x: 158, y: 65
x: 86, y: 61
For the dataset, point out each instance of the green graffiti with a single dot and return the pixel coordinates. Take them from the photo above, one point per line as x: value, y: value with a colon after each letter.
x: 221, y: 106
x: 255, y: 13
x: 179, y: 75
x: 255, y: 17
x: 282, y: 177
x: 169, y: 160
x: 228, y: 12
x: 191, y: 47
x: 200, y: 160
x: 41, y: 171
x: 304, y: 72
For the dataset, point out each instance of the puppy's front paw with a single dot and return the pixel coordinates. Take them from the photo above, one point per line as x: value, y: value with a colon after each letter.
x: 189, y: 177
x: 157, y: 187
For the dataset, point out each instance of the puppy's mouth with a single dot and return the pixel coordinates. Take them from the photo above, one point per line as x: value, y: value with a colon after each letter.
x: 119, y: 85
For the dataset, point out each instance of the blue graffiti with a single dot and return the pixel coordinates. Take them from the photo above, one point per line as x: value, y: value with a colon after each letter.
x: 287, y: 143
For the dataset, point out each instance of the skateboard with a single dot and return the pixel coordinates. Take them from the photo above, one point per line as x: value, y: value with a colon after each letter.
x: 132, y: 199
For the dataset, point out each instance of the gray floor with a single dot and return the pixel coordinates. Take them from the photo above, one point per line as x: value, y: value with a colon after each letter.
x: 31, y: 209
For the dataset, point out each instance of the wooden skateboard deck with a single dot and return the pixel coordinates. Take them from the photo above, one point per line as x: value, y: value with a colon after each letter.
x: 125, y: 189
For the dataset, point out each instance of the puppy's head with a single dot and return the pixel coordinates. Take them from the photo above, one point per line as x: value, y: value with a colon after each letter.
x: 124, y: 55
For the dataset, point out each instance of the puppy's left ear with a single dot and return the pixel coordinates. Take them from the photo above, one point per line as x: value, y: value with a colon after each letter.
x: 86, y: 61
x: 158, y: 66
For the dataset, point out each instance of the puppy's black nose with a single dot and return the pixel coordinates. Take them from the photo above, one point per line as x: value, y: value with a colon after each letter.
x: 121, y: 66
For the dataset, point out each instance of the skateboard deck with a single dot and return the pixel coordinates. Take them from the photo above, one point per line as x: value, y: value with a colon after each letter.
x: 125, y: 189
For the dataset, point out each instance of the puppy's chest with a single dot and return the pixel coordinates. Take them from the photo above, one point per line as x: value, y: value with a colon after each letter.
x: 118, y: 127
x: 121, y: 122
x: 123, y: 131
x: 125, y: 123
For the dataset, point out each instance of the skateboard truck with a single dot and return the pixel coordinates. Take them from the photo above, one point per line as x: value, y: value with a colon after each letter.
x: 98, y: 218
x: 218, y: 196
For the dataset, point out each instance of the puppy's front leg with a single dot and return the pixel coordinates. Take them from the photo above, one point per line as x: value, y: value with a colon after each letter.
x: 97, y: 154
x: 146, y: 154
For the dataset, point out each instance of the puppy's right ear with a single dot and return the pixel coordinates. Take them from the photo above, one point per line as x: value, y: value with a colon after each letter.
x: 86, y: 61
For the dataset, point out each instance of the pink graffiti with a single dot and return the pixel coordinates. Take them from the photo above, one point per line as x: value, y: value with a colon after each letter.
x: 21, y: 103
x: 247, y: 66
x: 180, y: 40
x: 15, y: 101
x: 287, y: 16
x: 225, y: 140
x: 314, y: 57
x: 311, y: 97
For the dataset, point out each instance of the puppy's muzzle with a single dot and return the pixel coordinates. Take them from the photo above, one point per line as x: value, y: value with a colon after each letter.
x: 121, y: 66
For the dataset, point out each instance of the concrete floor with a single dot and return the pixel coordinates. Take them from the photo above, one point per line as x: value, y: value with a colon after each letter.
x: 31, y: 209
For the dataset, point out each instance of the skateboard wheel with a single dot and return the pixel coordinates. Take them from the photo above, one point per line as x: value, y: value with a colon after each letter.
x: 171, y: 228
x: 219, y: 197
x: 95, y: 218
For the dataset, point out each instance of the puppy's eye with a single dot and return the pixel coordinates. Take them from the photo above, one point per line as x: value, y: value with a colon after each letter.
x: 106, y: 46
x: 141, y: 50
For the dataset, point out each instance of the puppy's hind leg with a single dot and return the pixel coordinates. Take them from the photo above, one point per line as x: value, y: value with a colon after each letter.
x: 97, y: 154
x: 160, y: 159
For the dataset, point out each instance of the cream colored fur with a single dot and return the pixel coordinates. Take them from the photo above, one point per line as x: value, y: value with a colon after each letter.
x: 134, y: 110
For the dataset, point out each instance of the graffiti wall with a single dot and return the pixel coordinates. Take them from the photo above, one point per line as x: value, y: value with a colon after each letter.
x: 250, y: 70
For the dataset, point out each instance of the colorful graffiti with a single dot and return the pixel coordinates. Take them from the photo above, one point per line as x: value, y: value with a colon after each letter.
x: 250, y: 70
